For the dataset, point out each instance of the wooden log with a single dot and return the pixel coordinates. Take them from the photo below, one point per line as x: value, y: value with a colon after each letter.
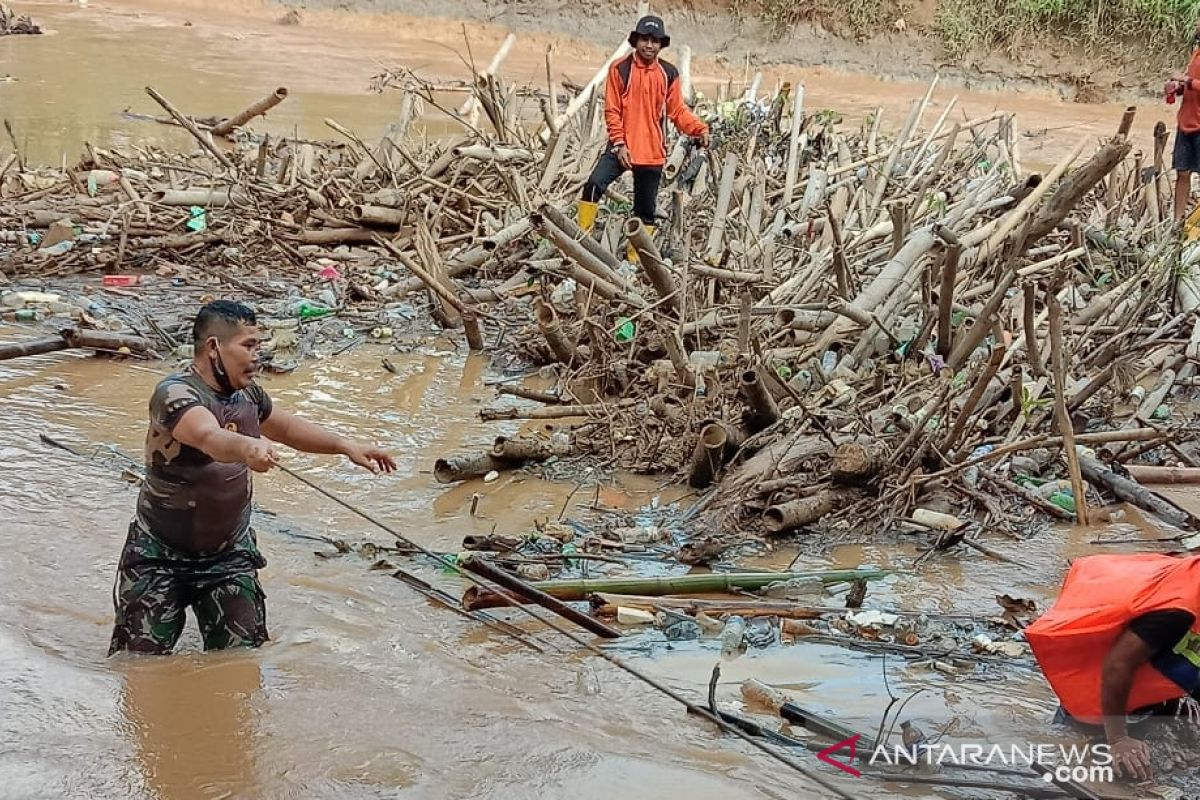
x: 474, y: 331
x: 805, y: 511
x: 35, y: 347
x: 226, y: 127
x: 523, y: 449
x: 761, y: 412
x: 1130, y: 491
x: 652, y: 264
x: 856, y: 463
x: 462, y: 468
x: 531, y: 593
x: 946, y: 292
x: 1145, y: 473
x: 547, y: 321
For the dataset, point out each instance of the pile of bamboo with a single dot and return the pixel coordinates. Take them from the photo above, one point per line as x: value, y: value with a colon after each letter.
x: 830, y: 325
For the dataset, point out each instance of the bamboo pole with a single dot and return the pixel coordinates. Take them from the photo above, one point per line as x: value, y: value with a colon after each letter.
x: 579, y: 590
x: 724, y: 193
x: 793, y: 162
x: 1065, y: 427
x: 190, y: 127
x: 652, y: 264
x: 226, y: 127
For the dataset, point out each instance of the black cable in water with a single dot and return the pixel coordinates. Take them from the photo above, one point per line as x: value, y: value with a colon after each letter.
x: 669, y: 692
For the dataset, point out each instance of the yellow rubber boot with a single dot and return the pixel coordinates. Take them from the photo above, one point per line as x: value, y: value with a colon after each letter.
x: 587, y: 214
x: 631, y: 253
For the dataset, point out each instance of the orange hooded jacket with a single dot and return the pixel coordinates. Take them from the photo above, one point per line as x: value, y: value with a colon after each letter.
x: 638, y: 100
x: 1100, y: 597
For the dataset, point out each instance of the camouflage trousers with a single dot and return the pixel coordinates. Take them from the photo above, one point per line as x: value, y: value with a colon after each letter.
x: 156, y: 584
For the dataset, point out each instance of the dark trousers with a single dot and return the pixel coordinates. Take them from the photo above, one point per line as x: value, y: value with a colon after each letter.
x: 645, y: 185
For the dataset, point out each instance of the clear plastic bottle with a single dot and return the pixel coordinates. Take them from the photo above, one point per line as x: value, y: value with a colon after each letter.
x: 732, y: 635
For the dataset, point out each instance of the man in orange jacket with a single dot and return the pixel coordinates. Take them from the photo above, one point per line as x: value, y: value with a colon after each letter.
x: 641, y: 93
x: 1186, y: 156
x: 1123, y: 639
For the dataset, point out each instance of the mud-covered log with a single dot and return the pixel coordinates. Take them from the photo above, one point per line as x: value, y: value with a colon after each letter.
x: 1130, y: 491
x: 856, y: 463
x: 75, y: 338
x: 462, y: 468
x: 523, y: 449
x: 804, y: 511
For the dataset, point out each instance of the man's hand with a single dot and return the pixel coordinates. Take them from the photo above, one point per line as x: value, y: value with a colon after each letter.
x: 257, y: 454
x: 706, y: 140
x: 623, y: 158
x: 368, y: 456
x: 1131, y: 757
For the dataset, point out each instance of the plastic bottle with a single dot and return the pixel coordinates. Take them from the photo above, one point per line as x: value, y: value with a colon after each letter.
x: 308, y: 310
x: 913, y: 739
x: 732, y: 635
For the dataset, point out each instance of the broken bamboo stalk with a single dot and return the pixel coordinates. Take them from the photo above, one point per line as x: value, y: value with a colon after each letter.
x: 226, y: 127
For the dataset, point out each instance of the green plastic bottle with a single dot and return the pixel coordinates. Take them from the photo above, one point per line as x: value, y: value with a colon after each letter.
x: 309, y: 311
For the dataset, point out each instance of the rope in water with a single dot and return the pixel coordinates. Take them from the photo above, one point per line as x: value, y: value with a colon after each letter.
x: 669, y: 692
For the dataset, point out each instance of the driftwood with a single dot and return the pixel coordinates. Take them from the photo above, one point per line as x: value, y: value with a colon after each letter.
x: 75, y: 338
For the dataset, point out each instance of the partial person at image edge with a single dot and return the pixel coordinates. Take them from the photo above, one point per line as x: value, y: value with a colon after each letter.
x: 1123, y: 640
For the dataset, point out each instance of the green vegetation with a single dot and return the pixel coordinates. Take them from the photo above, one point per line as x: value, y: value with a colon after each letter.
x: 1133, y: 30
x: 1156, y: 26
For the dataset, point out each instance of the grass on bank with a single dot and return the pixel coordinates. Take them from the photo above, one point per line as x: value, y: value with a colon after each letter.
x: 1133, y: 30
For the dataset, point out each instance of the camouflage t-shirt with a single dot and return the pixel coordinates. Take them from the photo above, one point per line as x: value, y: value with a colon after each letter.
x: 188, y: 500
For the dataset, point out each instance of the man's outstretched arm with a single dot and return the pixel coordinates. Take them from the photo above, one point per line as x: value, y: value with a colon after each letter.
x: 300, y: 434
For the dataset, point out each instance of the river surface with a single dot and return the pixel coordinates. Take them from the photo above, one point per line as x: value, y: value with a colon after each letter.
x: 367, y: 690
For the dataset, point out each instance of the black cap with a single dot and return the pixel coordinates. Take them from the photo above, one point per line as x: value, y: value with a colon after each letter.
x: 650, y: 26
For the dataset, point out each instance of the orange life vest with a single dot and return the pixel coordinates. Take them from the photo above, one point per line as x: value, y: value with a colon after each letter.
x: 1100, y: 597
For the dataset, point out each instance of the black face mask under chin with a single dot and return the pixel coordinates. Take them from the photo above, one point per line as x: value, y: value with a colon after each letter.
x: 219, y: 371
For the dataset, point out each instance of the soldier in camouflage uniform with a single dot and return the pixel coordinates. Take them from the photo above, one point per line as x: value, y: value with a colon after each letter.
x: 190, y: 543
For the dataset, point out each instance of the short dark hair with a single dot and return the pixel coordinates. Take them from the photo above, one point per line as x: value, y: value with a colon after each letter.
x: 220, y: 318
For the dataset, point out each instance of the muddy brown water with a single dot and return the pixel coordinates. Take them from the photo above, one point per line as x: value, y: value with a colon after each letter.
x: 366, y: 690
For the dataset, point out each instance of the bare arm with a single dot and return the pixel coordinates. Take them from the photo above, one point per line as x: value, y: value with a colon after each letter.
x: 1128, y: 653
x: 300, y: 434
x: 198, y: 428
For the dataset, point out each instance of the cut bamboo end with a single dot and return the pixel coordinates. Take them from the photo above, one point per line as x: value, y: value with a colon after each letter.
x: 709, y: 456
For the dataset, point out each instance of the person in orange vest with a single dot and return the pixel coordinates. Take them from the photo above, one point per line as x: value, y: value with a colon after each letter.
x: 642, y: 91
x: 1123, y: 641
x: 1186, y: 156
